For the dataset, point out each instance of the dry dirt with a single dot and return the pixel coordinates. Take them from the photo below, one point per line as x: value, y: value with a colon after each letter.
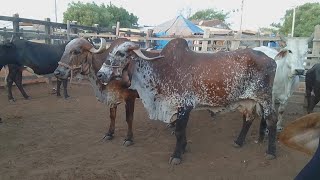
x: 51, y: 138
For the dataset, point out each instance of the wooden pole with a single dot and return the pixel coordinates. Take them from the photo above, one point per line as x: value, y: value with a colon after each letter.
x: 206, y: 34
x: 47, y: 31
x: 15, y: 25
x: 149, y: 34
x: 117, y: 29
x: 68, y: 30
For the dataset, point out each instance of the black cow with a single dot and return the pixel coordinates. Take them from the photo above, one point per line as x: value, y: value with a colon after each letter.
x: 313, y: 87
x: 41, y: 58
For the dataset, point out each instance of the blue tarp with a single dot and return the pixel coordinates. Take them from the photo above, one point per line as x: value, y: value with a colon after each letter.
x: 178, y: 26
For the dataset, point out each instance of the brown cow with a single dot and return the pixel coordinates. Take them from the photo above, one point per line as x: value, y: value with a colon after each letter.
x: 81, y: 57
x: 181, y: 80
x: 303, y: 135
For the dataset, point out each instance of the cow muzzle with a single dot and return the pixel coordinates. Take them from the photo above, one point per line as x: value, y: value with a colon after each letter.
x: 103, y: 77
x: 60, y: 74
x: 299, y: 71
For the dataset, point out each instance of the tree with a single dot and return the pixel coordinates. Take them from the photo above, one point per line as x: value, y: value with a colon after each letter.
x: 209, y: 14
x: 106, y: 16
x: 307, y: 16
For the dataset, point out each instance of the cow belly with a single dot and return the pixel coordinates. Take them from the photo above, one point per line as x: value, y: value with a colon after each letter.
x: 247, y: 107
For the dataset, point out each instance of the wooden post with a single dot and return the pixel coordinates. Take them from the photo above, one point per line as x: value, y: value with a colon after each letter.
x: 47, y: 29
x: 68, y: 30
x: 316, y: 41
x: 149, y: 34
x: 236, y: 43
x: 117, y: 29
x: 316, y: 48
x: 204, y: 46
x: 15, y: 25
x: 5, y: 36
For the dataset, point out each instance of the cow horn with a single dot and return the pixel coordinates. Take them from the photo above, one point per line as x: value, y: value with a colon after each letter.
x: 311, y: 38
x: 141, y: 55
x: 101, y: 48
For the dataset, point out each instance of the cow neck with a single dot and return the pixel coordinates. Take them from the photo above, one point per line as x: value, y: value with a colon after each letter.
x: 144, y: 80
x: 92, y: 76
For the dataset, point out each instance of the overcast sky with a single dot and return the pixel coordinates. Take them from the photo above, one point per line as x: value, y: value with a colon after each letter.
x: 257, y: 13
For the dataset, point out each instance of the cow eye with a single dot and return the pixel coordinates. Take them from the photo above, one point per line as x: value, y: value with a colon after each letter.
x: 290, y: 51
x: 121, y: 54
x: 76, y: 52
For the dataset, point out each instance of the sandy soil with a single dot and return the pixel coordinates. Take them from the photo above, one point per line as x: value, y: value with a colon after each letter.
x: 51, y: 138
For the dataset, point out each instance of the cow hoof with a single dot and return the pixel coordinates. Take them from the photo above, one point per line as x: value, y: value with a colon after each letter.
x: 108, y: 137
x: 12, y: 100
x: 67, y: 97
x: 174, y: 161
x: 27, y: 98
x: 127, y: 142
x: 59, y: 95
x: 236, y: 145
x: 270, y: 156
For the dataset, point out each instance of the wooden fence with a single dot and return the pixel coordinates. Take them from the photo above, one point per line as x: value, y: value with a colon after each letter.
x: 208, y: 42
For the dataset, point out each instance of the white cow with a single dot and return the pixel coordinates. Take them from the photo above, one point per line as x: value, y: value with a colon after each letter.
x: 289, y: 66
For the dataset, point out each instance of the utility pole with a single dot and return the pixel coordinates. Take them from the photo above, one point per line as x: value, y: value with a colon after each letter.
x: 241, y: 15
x: 55, y: 9
x: 293, y: 20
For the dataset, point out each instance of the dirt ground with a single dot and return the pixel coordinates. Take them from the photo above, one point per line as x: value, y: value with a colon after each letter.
x: 48, y: 137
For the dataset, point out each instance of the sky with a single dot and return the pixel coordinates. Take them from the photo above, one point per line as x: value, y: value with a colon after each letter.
x: 256, y: 13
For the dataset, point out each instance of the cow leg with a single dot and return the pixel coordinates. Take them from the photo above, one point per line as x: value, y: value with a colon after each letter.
x: 280, y: 115
x: 65, y: 87
x: 243, y: 133
x: 262, y: 130
x: 272, y: 128
x: 129, y: 118
x: 18, y: 82
x: 9, y: 86
x: 58, y: 87
x: 180, y: 132
x: 113, y: 114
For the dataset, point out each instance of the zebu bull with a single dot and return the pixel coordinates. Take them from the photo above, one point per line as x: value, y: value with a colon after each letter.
x: 40, y: 58
x: 181, y: 80
x: 81, y: 57
x: 289, y: 66
x: 303, y: 135
x: 312, y: 87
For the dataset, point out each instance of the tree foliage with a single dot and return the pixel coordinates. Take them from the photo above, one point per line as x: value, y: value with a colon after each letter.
x: 209, y: 14
x: 307, y: 16
x: 106, y: 16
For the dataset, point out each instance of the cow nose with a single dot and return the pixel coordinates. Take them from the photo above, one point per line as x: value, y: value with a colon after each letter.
x: 56, y: 73
x: 100, y: 75
x: 299, y: 71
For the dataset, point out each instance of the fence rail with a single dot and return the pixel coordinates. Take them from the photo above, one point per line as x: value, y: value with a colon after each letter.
x: 203, y: 43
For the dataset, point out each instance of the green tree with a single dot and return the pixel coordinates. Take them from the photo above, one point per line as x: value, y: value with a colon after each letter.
x: 208, y: 14
x: 307, y: 16
x: 106, y: 16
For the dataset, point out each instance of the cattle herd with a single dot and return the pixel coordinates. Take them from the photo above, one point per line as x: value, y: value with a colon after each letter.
x: 257, y: 82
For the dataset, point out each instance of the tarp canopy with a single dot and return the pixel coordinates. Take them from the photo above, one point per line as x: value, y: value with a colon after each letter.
x: 178, y: 27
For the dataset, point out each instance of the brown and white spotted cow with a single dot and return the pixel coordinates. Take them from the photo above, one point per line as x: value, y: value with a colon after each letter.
x: 81, y: 57
x: 181, y: 80
x: 303, y: 135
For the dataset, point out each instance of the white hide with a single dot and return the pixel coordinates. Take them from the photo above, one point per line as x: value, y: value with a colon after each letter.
x: 285, y: 81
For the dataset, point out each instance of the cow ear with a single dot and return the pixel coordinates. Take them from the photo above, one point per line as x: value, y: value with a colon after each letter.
x: 283, y: 53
